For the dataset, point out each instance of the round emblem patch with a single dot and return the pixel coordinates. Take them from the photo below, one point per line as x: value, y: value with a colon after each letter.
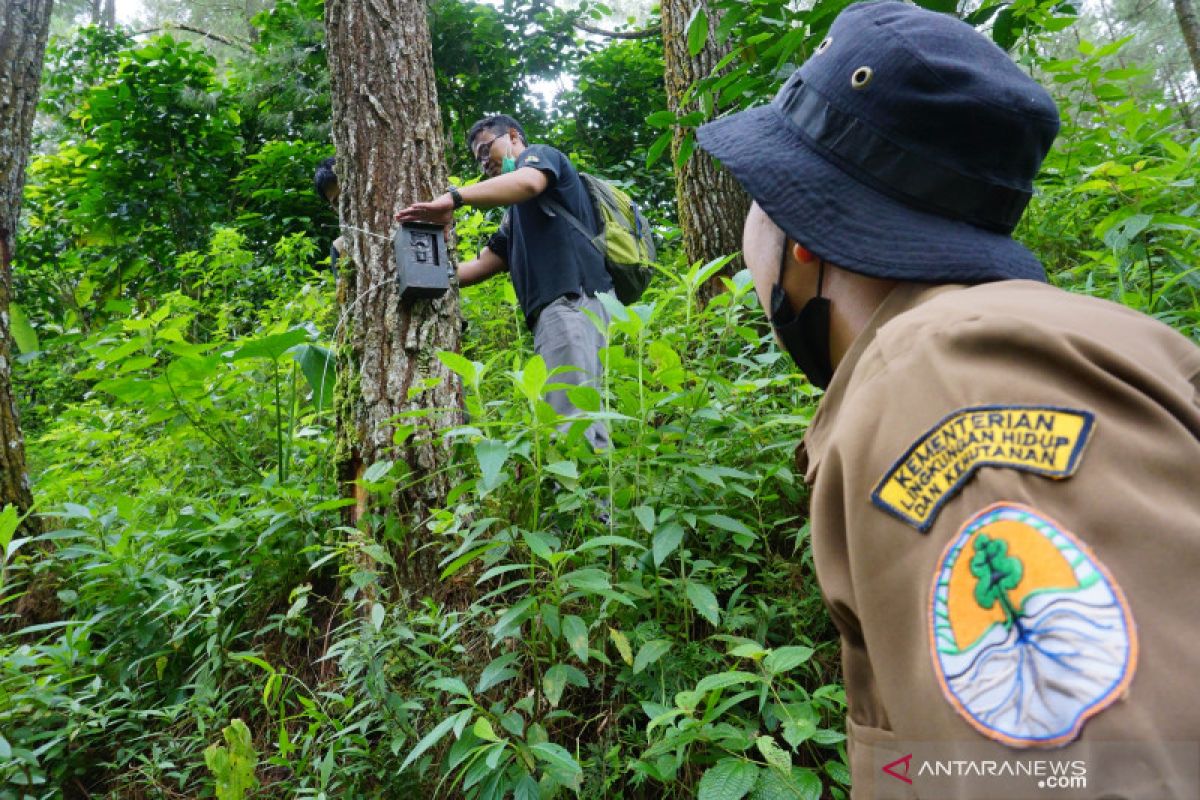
x: 1030, y: 633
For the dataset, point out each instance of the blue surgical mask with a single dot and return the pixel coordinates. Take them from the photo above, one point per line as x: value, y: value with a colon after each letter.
x: 508, y: 164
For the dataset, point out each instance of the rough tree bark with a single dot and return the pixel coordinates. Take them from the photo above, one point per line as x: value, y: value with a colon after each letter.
x: 1185, y: 12
x: 388, y: 136
x: 23, y: 28
x: 712, y: 205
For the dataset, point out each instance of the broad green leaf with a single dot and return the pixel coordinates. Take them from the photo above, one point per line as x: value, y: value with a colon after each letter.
x: 563, y: 469
x: 377, y: 616
x: 497, y: 671
x: 463, y: 367
x: 510, y: 621
x: 723, y: 680
x: 527, y: 789
x: 434, y: 736
x: 317, y: 364
x: 697, y: 30
x: 585, y: 398
x: 645, y: 515
x: 752, y: 650
x: 555, y: 681
x: 837, y: 770
x: 589, y: 580
x: 649, y: 653
x: 728, y: 524
x: 685, y: 149
x: 484, y: 730
x: 532, y: 378
x: 271, y: 347
x: 233, y: 766
x: 9, y: 521
x: 377, y: 471
x: 665, y: 541
x: 782, y: 659
x: 622, y: 643
x: 775, y: 755
x: 609, y: 541
x: 658, y: 148
x: 705, y: 602
x: 22, y: 331
x: 799, y: 730
x: 491, y: 454
x: 798, y: 784
x: 379, y: 553
x: 560, y: 765
x: 728, y: 779
x: 576, y: 633
x: 541, y: 544
x: 551, y: 619
x: 661, y: 119
x: 452, y: 686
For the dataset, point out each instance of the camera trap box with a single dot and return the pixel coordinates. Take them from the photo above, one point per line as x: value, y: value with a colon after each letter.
x: 422, y: 262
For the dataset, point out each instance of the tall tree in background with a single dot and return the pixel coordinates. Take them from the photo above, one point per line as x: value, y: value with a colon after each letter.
x: 24, y: 25
x: 1185, y: 11
x: 712, y: 206
x: 388, y: 136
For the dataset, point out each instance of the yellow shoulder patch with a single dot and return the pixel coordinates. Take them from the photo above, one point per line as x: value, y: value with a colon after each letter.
x: 1039, y: 439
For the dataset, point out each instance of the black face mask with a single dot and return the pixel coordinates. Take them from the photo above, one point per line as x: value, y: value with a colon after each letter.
x: 805, y: 335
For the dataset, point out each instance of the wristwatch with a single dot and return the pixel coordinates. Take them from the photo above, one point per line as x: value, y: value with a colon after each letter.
x: 455, y: 196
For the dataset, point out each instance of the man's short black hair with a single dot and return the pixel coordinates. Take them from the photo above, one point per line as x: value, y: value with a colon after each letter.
x: 498, y: 125
x: 325, y: 179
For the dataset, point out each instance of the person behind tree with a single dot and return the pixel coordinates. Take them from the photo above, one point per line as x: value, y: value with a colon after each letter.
x: 326, y: 184
x: 555, y: 271
x: 1005, y: 509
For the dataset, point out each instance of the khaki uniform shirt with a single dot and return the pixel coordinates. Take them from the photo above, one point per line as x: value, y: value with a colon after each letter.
x: 1069, y: 429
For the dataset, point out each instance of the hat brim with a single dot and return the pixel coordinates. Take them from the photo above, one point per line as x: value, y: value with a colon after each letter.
x: 849, y: 223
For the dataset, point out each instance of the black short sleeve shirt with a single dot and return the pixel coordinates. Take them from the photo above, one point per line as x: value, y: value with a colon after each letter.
x: 546, y: 256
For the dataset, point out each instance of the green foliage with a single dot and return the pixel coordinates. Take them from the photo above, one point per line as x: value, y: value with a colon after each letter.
x: 145, y: 175
x: 73, y: 67
x: 601, y: 120
x: 1115, y: 214
x: 284, y: 88
x: 769, y: 39
x: 485, y: 56
x: 635, y: 622
x: 233, y: 766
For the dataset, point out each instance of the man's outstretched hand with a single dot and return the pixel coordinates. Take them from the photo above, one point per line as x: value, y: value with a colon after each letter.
x: 439, y: 211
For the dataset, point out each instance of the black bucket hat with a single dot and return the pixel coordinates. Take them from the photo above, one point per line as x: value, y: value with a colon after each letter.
x: 904, y: 148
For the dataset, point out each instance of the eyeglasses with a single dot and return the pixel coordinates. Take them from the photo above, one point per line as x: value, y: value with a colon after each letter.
x: 483, y: 153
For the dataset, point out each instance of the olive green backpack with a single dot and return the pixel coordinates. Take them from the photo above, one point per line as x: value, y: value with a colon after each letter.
x: 624, y: 239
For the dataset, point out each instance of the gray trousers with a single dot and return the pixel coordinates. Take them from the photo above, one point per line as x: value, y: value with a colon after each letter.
x: 564, y: 336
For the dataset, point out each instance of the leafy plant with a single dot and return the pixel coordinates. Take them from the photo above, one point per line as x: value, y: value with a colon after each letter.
x: 233, y: 765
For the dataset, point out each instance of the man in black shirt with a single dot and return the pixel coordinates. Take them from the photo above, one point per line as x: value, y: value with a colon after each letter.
x: 555, y: 271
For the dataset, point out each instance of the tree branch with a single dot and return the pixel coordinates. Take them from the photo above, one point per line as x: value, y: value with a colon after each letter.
x: 216, y: 37
x: 647, y: 33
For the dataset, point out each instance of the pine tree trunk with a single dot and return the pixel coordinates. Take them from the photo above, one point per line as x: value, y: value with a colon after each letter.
x: 712, y: 205
x: 388, y: 137
x: 23, y: 28
x: 1185, y: 11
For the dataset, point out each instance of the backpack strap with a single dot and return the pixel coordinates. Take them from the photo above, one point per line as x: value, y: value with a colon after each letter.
x: 554, y: 208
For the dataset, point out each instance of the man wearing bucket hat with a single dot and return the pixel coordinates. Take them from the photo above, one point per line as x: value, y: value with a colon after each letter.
x: 1005, y: 514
